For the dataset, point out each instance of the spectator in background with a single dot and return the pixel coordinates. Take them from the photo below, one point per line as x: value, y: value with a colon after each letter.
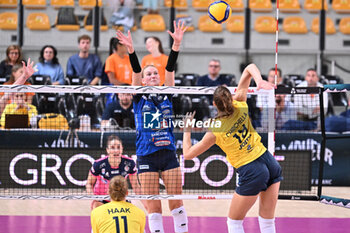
x: 19, y: 106
x: 121, y: 110
x: 49, y: 65
x: 213, y: 78
x: 85, y: 64
x: 151, y: 6
x: 123, y: 13
x: 308, y: 106
x: 156, y: 57
x: 17, y: 72
x: 262, y: 99
x: 285, y: 112
x: 118, y: 67
x: 13, y: 57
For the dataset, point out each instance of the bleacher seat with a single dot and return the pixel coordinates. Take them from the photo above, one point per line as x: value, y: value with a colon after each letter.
x: 314, y: 6
x: 231, y: 79
x: 294, y: 25
x: 39, y: 79
x: 188, y: 21
x: 8, y: 4
x: 200, y: 104
x: 89, y: 104
x: 206, y: 24
x: 235, y: 24
x: 289, y: 6
x: 75, y: 80
x: 236, y: 5
x: 330, y: 28
x: 34, y: 4
x: 344, y: 25
x: 8, y: 21
x: 38, y: 21
x: 293, y: 80
x: 260, y: 5
x: 341, y: 6
x: 338, y: 98
x: 89, y: 4
x: 265, y: 24
x: 201, y: 5
x: 62, y: 3
x: 67, y: 20
x: 187, y: 79
x: 88, y: 22
x: 179, y: 4
x: 4, y: 79
x: 153, y: 23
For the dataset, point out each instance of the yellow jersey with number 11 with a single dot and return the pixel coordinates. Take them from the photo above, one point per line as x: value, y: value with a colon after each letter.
x: 118, y: 217
x: 237, y: 137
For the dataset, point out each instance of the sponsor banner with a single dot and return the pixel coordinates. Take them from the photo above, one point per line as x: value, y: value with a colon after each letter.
x: 336, y: 163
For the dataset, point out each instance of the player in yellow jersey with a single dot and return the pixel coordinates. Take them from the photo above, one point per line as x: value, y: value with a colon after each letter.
x: 118, y: 216
x: 259, y: 172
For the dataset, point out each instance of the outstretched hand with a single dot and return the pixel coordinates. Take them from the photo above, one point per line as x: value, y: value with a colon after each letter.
x: 28, y: 70
x: 126, y: 40
x: 188, y: 119
x: 178, y: 33
x: 265, y: 85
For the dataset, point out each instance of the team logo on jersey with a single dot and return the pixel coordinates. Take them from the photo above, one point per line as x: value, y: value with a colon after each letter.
x: 126, y: 168
x: 152, y: 120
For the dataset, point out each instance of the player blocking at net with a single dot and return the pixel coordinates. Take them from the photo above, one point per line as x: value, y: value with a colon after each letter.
x: 155, y: 148
x: 259, y: 172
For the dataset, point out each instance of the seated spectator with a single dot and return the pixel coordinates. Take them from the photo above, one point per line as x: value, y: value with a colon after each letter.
x: 123, y: 13
x: 121, y: 110
x: 13, y: 57
x: 285, y: 111
x: 84, y: 63
x: 19, y: 105
x: 308, y: 106
x: 49, y: 65
x: 118, y: 67
x: 339, y: 123
x: 213, y: 78
x: 156, y: 57
x: 17, y: 72
x: 262, y: 99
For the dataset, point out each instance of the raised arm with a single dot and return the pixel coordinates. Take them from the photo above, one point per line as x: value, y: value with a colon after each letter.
x: 177, y: 36
x: 243, y: 85
x: 136, y: 68
x: 191, y: 151
x: 28, y: 70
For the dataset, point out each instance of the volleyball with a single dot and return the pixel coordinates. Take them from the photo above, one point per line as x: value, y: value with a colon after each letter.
x: 219, y: 11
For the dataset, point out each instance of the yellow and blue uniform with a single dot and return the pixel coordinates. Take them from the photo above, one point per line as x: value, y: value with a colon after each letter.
x: 256, y: 167
x: 118, y: 217
x: 237, y: 137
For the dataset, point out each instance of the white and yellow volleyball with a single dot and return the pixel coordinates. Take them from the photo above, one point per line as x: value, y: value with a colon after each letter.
x: 219, y: 11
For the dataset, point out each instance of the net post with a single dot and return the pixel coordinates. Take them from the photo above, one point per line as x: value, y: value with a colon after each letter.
x: 323, y: 144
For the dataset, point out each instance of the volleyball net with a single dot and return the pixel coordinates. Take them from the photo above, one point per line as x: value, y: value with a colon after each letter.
x: 47, y: 150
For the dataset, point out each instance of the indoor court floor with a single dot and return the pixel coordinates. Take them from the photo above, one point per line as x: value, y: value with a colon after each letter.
x: 209, y: 216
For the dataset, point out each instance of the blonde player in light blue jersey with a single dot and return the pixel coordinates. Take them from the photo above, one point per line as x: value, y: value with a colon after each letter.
x: 118, y: 216
x: 259, y: 172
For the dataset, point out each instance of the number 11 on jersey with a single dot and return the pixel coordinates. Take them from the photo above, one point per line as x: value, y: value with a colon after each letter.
x: 116, y: 219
